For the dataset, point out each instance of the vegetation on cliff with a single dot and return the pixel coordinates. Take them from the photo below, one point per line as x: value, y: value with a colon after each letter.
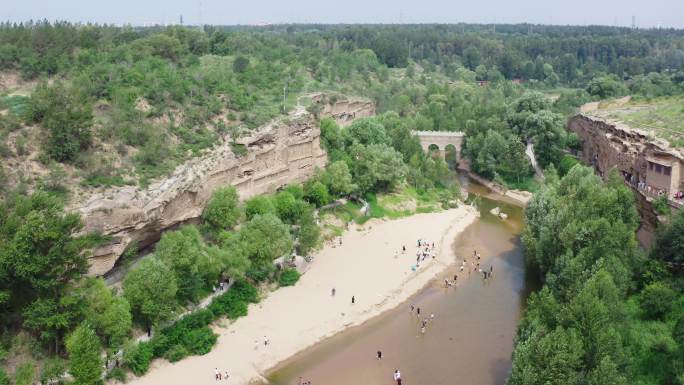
x: 607, y: 314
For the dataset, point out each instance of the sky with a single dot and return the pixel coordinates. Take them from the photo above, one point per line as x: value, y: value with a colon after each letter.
x: 651, y: 13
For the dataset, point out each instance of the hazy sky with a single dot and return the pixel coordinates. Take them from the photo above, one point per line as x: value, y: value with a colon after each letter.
x: 649, y: 13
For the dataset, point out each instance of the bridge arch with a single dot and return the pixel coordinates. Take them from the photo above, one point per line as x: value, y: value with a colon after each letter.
x: 442, y: 140
x: 434, y: 150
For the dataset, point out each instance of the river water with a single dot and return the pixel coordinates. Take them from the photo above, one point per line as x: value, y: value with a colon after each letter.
x: 470, y: 339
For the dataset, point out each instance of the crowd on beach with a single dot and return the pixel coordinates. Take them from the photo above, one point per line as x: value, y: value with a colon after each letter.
x: 425, y: 250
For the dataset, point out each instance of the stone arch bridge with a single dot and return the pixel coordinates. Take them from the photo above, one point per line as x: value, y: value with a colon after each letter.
x: 440, y: 139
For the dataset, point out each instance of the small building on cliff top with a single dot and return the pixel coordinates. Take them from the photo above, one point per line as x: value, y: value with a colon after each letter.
x: 650, y: 165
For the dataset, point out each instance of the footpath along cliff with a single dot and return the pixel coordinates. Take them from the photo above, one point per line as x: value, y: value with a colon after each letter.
x: 286, y: 150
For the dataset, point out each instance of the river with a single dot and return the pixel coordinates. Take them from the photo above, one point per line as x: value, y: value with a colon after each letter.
x: 470, y: 340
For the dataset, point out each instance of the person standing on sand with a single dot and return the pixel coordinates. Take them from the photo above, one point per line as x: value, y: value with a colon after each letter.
x: 333, y: 291
x: 266, y: 341
x: 418, y: 311
x: 397, y: 377
x: 403, y: 248
x: 379, y: 355
x: 353, y: 300
x: 217, y: 374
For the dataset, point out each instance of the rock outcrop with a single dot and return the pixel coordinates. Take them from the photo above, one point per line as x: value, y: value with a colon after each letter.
x: 285, y: 151
x: 608, y: 145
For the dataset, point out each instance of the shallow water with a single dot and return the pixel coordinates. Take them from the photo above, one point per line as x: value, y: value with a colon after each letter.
x: 470, y: 339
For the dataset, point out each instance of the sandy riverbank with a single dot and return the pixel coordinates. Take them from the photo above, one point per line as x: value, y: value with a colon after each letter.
x: 297, y: 317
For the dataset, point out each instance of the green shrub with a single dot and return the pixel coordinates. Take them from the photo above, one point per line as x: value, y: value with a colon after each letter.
x: 259, y: 273
x: 229, y: 304
x: 4, y: 378
x: 160, y: 345
x: 25, y: 374
x: 657, y: 300
x: 176, y: 353
x: 661, y: 206
x: 52, y: 371
x: 223, y: 210
x: 103, y: 180
x: 138, y: 358
x: 566, y: 163
x: 245, y: 292
x: 288, y: 277
x: 117, y: 374
x: 200, y: 341
x: 176, y: 333
x: 238, y: 149
x: 259, y: 204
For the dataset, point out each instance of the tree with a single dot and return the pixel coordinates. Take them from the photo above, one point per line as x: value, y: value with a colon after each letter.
x: 231, y: 257
x: 338, y: 179
x: 184, y: 251
x: 223, y: 210
x: 40, y: 257
x: 288, y: 207
x: 657, y: 300
x: 240, y: 64
x: 669, y: 243
x: 265, y: 238
x: 377, y: 167
x: 367, y: 131
x: 52, y: 318
x: 66, y: 118
x: 309, y: 232
x: 40, y: 249
x: 109, y: 315
x: 151, y: 288
x: 548, y: 358
x: 606, y: 87
x: 316, y: 193
x: 471, y: 57
x: 606, y: 373
x: 331, y: 135
x: 548, y: 134
x: 85, y: 364
x: 515, y: 163
x: 259, y: 204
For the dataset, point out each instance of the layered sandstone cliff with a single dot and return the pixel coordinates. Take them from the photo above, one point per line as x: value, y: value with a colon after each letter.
x: 608, y: 145
x: 285, y: 151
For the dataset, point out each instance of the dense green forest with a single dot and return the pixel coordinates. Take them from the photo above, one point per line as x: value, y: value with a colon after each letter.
x: 120, y: 89
x: 607, y: 313
x: 97, y: 106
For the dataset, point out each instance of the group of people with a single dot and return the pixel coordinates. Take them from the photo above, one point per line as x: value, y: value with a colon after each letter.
x: 218, y: 376
x: 475, y: 265
x: 423, y: 321
x: 425, y: 249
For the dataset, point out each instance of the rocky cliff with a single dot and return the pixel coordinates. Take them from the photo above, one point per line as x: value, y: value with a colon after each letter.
x: 607, y: 145
x: 285, y: 151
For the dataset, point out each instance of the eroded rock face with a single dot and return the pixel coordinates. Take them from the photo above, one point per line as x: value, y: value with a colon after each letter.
x: 285, y: 151
x: 607, y: 145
